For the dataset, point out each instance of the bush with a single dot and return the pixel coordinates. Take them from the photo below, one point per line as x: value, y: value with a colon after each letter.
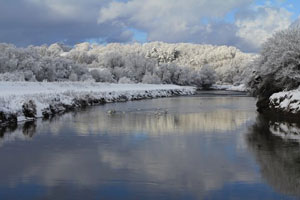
x: 206, y: 77
x: 87, y: 78
x: 151, y: 79
x: 102, y: 75
x: 73, y: 77
x: 8, y: 76
x: 125, y: 80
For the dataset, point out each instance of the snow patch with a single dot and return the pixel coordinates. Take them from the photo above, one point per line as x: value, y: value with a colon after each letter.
x: 286, y: 101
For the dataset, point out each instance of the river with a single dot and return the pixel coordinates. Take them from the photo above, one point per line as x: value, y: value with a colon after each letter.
x: 212, y: 145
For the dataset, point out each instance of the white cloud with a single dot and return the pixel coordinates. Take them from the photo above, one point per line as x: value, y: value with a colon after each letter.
x: 199, y: 21
x: 171, y: 21
x: 257, y: 26
x: 189, y: 11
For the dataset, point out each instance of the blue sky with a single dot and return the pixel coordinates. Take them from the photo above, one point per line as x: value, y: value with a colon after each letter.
x: 245, y: 24
x: 291, y: 5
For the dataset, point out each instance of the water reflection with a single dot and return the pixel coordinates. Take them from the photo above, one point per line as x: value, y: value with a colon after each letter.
x: 12, y: 133
x: 275, y: 143
x: 154, y: 124
x: 184, y: 115
x: 6, y: 129
x: 193, y: 151
x: 29, y: 128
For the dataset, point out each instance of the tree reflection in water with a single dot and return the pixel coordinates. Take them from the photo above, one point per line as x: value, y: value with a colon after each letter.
x: 6, y: 129
x: 29, y: 128
x: 21, y: 132
x: 273, y: 141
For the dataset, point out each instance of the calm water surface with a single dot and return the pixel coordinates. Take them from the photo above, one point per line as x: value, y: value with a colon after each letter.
x: 210, y: 146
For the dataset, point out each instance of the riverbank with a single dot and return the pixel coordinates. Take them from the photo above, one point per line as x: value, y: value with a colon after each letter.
x: 228, y: 87
x: 286, y: 102
x: 21, y: 101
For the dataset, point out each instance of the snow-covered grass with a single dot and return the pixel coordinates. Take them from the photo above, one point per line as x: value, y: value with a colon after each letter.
x: 55, y: 97
x: 286, y: 101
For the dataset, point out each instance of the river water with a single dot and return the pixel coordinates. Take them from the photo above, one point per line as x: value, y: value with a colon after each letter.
x: 210, y: 146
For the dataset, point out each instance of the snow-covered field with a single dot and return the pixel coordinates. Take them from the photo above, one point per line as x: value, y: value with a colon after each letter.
x: 288, y: 101
x: 39, y: 99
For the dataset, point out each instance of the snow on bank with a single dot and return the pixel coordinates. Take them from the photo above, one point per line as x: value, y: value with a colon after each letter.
x: 239, y: 88
x: 42, y: 99
x: 288, y: 101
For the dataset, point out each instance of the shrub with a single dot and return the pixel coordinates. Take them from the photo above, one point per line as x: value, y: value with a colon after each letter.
x: 125, y: 80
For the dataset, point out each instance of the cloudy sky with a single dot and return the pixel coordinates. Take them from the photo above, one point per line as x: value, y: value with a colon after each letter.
x: 241, y: 23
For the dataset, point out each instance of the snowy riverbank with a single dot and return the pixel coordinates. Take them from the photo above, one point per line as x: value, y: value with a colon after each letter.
x: 239, y: 88
x: 22, y: 100
x: 286, y: 102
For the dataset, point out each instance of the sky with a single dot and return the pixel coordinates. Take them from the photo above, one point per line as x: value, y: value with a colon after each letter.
x: 245, y: 24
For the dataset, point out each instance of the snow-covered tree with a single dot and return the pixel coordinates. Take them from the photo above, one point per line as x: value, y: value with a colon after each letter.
x: 154, y: 62
x: 208, y: 76
x: 278, y: 67
x: 228, y: 62
x: 102, y: 75
x: 36, y: 63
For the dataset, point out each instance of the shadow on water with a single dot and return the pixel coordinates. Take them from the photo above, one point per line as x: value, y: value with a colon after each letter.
x: 7, y: 130
x: 275, y: 143
x: 221, y: 93
x: 28, y: 129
